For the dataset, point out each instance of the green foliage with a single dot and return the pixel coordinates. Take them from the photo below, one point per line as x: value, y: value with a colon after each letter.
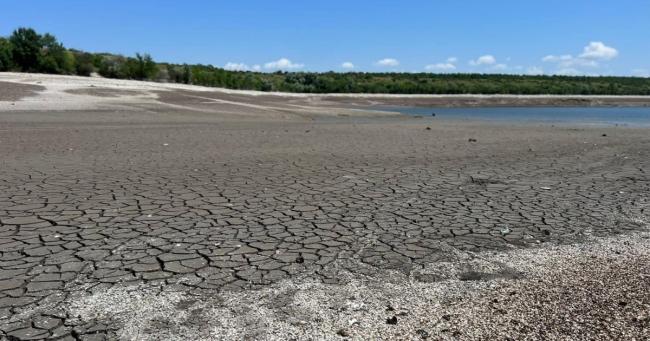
x: 6, y: 61
x: 141, y: 67
x: 112, y: 66
x: 33, y: 52
x: 84, y: 63
x: 26, y: 50
x: 179, y: 73
x: 54, y: 57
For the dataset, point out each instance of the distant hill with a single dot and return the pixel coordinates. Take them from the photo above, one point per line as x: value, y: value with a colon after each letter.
x: 28, y: 51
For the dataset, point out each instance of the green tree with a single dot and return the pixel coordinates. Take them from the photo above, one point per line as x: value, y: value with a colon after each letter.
x: 26, y: 48
x: 6, y: 62
x: 141, y: 67
x: 54, y: 57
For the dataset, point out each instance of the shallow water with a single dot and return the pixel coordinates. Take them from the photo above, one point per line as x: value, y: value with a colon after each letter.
x: 621, y: 116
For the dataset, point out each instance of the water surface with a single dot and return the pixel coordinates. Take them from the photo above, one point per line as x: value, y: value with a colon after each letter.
x: 621, y: 116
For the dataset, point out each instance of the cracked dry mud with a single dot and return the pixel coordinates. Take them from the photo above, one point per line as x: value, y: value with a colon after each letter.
x: 188, y: 202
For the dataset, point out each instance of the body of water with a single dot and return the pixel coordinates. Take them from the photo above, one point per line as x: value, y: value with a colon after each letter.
x: 622, y: 116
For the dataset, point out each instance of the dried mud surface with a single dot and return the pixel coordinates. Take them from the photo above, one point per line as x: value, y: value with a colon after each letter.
x: 158, y: 222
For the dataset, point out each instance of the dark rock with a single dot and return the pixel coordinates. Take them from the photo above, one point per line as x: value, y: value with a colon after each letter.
x: 343, y: 333
x: 390, y: 308
x: 546, y: 232
x: 422, y: 333
x: 428, y: 128
x: 604, y: 135
x: 472, y: 276
x: 300, y: 260
x: 426, y: 278
x: 392, y: 320
x: 433, y: 114
x: 472, y: 140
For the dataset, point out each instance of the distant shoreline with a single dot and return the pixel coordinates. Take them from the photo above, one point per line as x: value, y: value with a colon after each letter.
x: 32, y: 91
x: 9, y: 76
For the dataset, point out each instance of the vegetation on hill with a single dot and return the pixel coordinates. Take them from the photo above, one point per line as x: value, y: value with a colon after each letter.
x: 28, y: 51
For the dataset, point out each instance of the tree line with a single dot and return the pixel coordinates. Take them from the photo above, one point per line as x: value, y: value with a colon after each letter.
x: 26, y: 50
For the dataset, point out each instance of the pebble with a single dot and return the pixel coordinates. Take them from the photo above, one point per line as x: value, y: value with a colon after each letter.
x: 343, y: 333
x: 422, y: 333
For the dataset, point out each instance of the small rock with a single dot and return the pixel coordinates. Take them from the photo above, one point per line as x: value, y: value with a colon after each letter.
x: 343, y: 333
x: 422, y: 333
x: 604, y: 135
x: 546, y: 232
x: 545, y: 188
x: 392, y: 320
x: 433, y: 114
x: 428, y: 128
x: 505, y: 231
x: 390, y: 308
x: 472, y: 140
x: 300, y: 260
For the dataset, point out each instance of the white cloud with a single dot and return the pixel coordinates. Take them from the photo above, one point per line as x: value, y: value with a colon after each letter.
x: 257, y: 67
x: 347, y: 65
x: 641, y: 72
x: 487, y: 59
x: 388, y: 62
x: 500, y: 67
x: 568, y: 72
x: 448, y: 66
x: 598, y: 50
x: 568, y: 61
x: 236, y: 66
x: 593, y: 53
x: 534, y: 70
x: 283, y: 64
x: 553, y: 58
x: 441, y: 67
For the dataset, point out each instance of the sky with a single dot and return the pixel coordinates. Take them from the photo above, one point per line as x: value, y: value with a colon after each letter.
x: 583, y: 37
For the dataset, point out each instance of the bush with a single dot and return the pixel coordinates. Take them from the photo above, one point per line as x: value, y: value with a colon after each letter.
x: 84, y: 63
x: 141, y: 67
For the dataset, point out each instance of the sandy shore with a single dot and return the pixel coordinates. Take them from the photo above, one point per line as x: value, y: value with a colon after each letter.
x: 142, y: 211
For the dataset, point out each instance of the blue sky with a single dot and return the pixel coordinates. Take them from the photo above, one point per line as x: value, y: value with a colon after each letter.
x: 571, y: 36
